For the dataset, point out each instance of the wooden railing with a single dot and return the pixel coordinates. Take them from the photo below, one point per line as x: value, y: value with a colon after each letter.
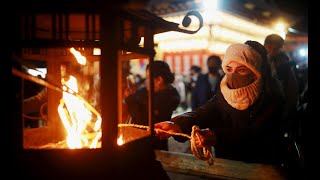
x: 188, y: 164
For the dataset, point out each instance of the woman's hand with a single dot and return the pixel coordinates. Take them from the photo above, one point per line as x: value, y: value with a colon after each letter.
x: 205, y: 138
x: 162, y: 128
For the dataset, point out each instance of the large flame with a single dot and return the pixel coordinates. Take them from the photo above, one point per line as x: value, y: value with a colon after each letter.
x: 82, y: 122
x: 82, y: 126
x: 82, y: 129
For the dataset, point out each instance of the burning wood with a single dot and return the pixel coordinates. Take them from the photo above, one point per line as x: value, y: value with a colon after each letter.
x: 76, y: 114
x: 80, y: 119
x: 64, y: 145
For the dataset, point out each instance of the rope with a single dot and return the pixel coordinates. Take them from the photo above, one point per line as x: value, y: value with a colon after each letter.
x: 203, y: 153
x: 206, y: 153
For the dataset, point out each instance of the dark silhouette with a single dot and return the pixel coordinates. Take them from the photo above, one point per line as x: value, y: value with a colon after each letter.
x: 166, y: 99
x: 207, y: 84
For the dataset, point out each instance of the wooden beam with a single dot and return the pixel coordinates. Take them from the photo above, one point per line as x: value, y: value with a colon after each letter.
x: 189, y: 164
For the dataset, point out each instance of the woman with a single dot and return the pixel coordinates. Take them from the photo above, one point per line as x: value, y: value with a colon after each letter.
x: 165, y: 100
x: 243, y: 116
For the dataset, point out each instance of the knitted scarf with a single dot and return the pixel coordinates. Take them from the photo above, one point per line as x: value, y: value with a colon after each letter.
x: 241, y: 98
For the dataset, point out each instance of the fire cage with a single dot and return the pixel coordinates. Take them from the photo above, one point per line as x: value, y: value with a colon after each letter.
x: 85, y: 47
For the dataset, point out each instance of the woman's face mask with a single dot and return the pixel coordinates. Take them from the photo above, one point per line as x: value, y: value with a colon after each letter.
x: 236, y: 81
x: 239, y: 75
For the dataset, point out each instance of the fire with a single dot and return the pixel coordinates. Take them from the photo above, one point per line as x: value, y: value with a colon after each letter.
x: 83, y: 127
x: 83, y: 130
x: 80, y: 58
x: 81, y: 120
x: 120, y: 140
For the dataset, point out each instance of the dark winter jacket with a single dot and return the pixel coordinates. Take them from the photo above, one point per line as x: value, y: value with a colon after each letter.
x: 252, y: 135
x: 287, y: 77
x: 164, y: 102
x: 202, y: 91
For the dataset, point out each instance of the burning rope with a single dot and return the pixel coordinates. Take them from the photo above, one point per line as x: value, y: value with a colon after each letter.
x: 205, y: 154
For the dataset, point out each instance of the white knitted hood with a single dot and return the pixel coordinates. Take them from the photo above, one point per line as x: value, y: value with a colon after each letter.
x: 245, y: 55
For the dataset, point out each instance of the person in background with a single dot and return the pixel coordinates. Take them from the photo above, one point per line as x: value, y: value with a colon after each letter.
x: 241, y: 121
x: 128, y: 84
x: 284, y: 70
x: 190, y: 82
x: 139, y: 81
x: 207, y: 84
x: 195, y: 71
x: 165, y: 100
x: 181, y: 88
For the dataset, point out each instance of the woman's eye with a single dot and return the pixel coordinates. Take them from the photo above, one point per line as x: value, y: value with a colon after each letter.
x: 243, y: 71
x: 229, y: 69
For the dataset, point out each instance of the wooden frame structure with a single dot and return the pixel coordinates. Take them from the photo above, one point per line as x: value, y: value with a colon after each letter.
x: 114, y: 28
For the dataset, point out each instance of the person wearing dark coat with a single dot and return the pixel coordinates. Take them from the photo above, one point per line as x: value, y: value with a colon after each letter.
x: 165, y: 100
x: 241, y: 121
x: 207, y: 84
x: 282, y: 64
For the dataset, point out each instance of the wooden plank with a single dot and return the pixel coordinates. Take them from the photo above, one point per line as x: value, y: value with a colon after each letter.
x: 221, y: 169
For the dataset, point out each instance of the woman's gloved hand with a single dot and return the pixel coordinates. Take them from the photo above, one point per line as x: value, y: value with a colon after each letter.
x: 168, y: 126
x: 205, y: 138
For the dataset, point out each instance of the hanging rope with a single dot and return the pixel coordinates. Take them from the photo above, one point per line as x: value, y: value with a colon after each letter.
x: 204, y: 153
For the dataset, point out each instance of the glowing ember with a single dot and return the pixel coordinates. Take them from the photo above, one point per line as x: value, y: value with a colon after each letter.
x: 120, y: 140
